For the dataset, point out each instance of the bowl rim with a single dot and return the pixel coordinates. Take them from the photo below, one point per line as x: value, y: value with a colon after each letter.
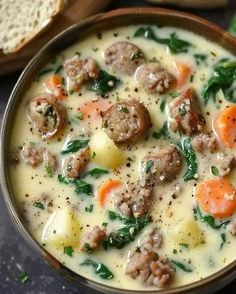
x: 230, y: 269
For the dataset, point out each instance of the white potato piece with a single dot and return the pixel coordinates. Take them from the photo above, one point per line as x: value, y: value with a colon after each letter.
x: 187, y: 232
x: 104, y: 151
x: 62, y: 229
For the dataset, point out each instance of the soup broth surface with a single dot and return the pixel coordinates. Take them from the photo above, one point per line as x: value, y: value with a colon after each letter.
x: 61, y: 203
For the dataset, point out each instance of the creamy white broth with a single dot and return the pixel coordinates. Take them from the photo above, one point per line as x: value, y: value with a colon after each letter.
x: 168, y: 212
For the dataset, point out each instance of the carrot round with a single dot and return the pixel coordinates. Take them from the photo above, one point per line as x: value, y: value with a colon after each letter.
x: 224, y: 125
x: 216, y: 197
x: 183, y: 72
x: 92, y: 109
x: 106, y: 188
x: 54, y: 85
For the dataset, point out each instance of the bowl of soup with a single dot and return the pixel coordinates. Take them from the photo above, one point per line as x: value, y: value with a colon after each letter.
x: 117, y: 153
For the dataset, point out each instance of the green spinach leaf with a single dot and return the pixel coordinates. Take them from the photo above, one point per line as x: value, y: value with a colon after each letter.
x: 100, y: 269
x: 208, y: 219
x: 223, y: 78
x: 73, y: 146
x: 175, y: 44
x: 182, y: 266
x: 104, y: 83
x: 190, y: 158
x: 163, y: 132
x: 82, y: 187
x: 223, y: 238
x: 97, y: 172
x: 119, y: 238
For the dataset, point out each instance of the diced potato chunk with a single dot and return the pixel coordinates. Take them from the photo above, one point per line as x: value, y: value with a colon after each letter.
x: 62, y: 229
x: 104, y: 151
x: 187, y: 232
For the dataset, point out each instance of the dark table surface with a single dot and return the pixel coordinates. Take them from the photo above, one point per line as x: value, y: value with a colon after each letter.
x: 15, y: 254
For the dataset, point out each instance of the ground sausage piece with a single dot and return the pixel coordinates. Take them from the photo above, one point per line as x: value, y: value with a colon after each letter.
x: 133, y: 199
x: 161, y: 164
x: 232, y: 227
x: 161, y: 272
x: 93, y: 239
x: 185, y: 111
x: 152, y: 240
x: 224, y: 163
x: 123, y: 57
x: 126, y: 121
x: 75, y: 164
x: 153, y: 78
x: 32, y: 155
x: 147, y: 266
x: 47, y: 114
x: 204, y: 142
x: 80, y: 71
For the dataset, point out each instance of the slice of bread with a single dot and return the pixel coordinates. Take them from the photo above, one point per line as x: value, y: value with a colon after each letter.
x: 22, y: 20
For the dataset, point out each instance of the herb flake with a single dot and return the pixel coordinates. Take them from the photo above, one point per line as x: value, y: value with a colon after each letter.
x: 24, y: 277
x: 68, y: 250
x: 38, y: 204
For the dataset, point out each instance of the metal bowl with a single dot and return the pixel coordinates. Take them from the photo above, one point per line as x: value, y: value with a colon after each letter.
x: 80, y: 31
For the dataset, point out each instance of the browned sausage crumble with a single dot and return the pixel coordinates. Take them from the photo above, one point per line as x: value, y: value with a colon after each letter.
x: 133, y: 199
x: 92, y: 239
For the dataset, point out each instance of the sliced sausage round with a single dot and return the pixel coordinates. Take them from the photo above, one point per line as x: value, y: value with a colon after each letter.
x: 153, y: 78
x: 80, y: 71
x: 126, y: 121
x: 161, y: 164
x: 47, y: 114
x: 123, y: 57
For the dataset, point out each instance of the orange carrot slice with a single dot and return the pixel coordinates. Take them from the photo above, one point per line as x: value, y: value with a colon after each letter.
x: 54, y: 85
x: 93, y: 109
x: 224, y: 125
x: 183, y: 72
x: 106, y: 188
x: 216, y: 197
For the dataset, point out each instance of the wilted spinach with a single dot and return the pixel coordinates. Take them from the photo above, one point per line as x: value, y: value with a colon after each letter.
x: 175, y: 44
x: 119, y: 238
x: 224, y: 76
x: 182, y: 266
x: 97, y: 172
x: 208, y: 219
x: 190, y: 158
x: 81, y: 187
x: 104, y: 83
x: 100, y: 269
x: 163, y: 132
x: 73, y: 146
